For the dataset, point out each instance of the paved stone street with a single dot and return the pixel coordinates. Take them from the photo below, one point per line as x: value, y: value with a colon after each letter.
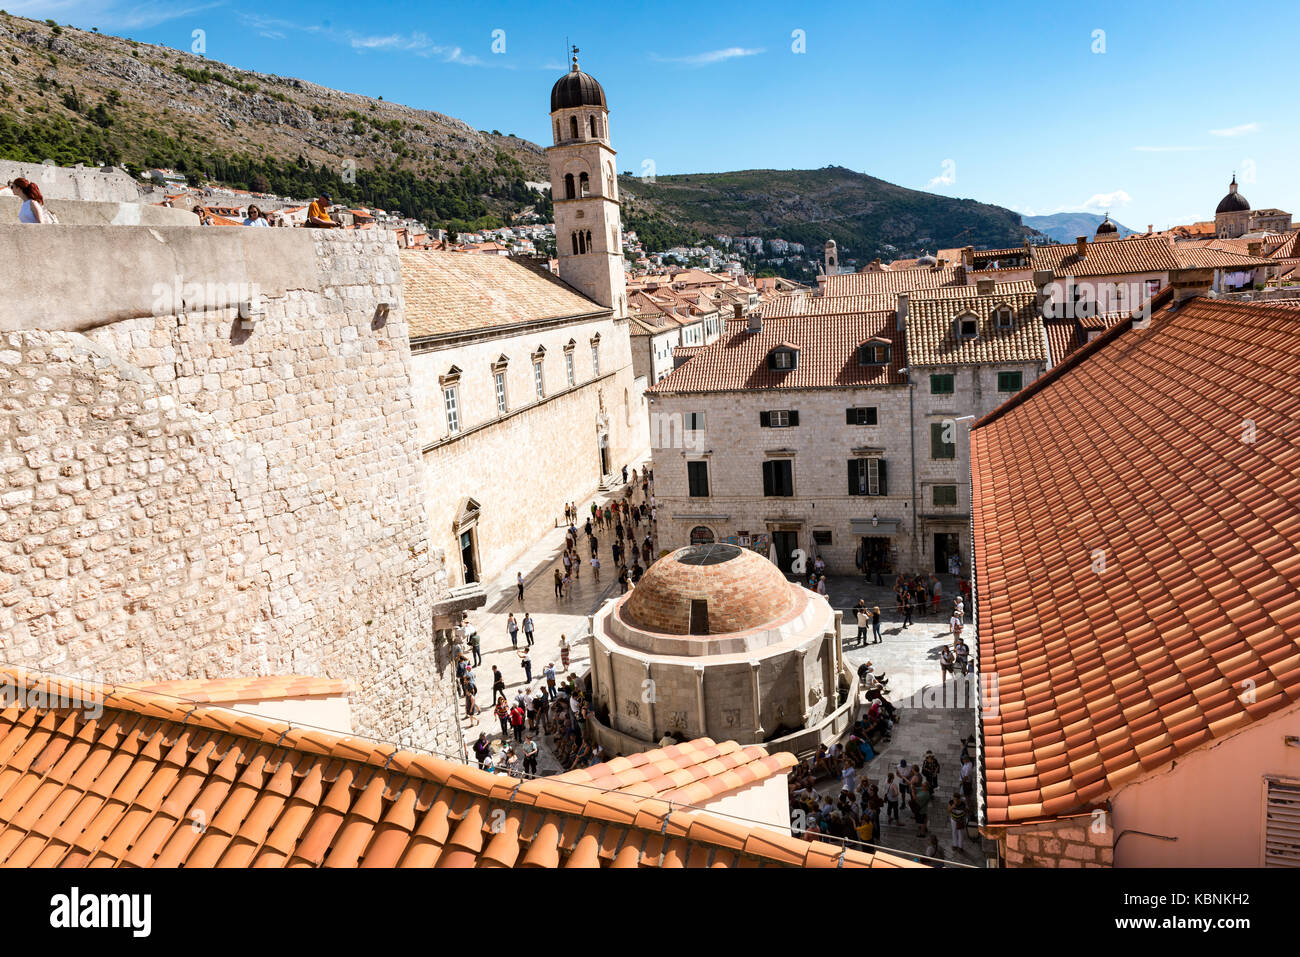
x: 934, y: 716
x: 552, y: 617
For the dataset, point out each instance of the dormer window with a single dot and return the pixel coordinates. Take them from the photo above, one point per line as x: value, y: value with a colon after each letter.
x: 968, y: 326
x: 783, y: 360
x: 1002, y: 320
x: 873, y: 354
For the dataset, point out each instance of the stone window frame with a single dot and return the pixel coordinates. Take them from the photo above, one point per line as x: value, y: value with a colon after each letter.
x: 1004, y: 311
x: 539, y: 372
x: 875, y: 352
x: 595, y: 355
x: 959, y: 325
x: 500, y: 384
x: 1019, y: 380
x: 570, y: 370
x: 951, y: 381
x: 451, y: 404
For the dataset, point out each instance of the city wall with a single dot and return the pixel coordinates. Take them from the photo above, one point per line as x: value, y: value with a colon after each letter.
x: 185, y: 496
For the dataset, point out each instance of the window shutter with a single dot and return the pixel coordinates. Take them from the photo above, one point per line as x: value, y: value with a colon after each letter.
x: 880, y: 471
x: 794, y: 417
x: 767, y: 476
x: 1282, y: 824
x: 850, y: 416
x: 853, y: 475
x: 764, y: 419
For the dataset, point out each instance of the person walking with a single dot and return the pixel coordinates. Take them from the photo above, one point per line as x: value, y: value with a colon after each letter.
x: 907, y: 609
x: 498, y: 682
x: 482, y: 749
x: 957, y: 817
x: 517, y: 716
x: 559, y: 584
x: 519, y: 584
x: 529, y: 749
x: 475, y: 643
x: 622, y: 580
x: 564, y: 653
x: 512, y: 628
x: 595, y: 566
x: 471, y: 694
x: 875, y: 623
x: 549, y: 673
x: 527, y: 663
x: 528, y: 628
x: 891, y: 798
x: 502, y: 711
x: 863, y: 619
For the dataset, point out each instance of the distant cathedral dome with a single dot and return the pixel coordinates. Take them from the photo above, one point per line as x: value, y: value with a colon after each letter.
x: 1234, y: 202
x: 576, y: 89
x: 1106, y: 226
x: 927, y: 260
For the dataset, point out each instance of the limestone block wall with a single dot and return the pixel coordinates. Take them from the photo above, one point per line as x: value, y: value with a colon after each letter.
x: 181, y: 497
x: 1068, y: 842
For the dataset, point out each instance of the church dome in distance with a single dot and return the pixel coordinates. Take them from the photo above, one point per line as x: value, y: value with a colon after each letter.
x: 710, y: 590
x: 576, y: 89
x: 1106, y: 226
x: 1234, y: 202
x: 927, y: 260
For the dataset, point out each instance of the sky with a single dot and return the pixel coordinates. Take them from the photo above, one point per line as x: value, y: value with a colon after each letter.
x: 1143, y: 109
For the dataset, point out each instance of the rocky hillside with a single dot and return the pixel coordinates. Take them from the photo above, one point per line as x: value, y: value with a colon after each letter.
x: 73, y: 96
x: 867, y: 217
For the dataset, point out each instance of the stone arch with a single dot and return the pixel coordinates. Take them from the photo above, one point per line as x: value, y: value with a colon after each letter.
x: 569, y: 191
x: 573, y: 127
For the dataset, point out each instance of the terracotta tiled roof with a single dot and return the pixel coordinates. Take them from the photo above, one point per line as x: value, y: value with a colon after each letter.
x: 962, y: 292
x: 889, y: 281
x: 933, y: 340
x: 224, y: 690
x: 1115, y: 257
x: 1132, y: 450
x: 451, y: 292
x: 828, y: 356
x: 1196, y: 256
x: 125, y: 786
x: 801, y: 304
x: 690, y: 773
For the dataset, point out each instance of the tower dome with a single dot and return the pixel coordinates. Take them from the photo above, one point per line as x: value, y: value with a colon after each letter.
x: 1234, y: 202
x: 927, y: 260
x: 576, y: 89
x: 1106, y: 229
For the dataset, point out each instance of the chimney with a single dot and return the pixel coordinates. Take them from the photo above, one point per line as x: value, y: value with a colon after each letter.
x: 755, y: 321
x: 1042, y: 282
x: 960, y: 274
x: 902, y: 312
x: 1081, y: 245
x: 968, y: 256
x: 1254, y: 247
x: 736, y: 310
x: 1151, y: 228
x: 984, y: 287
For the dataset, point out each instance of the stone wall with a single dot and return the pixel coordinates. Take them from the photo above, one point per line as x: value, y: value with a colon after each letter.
x: 183, y: 497
x: 88, y: 183
x: 1068, y: 842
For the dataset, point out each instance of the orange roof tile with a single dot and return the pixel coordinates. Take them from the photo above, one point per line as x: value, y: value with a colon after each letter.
x: 225, y: 690
x: 688, y: 773
x: 1132, y: 450
x: 117, y: 776
x: 828, y: 356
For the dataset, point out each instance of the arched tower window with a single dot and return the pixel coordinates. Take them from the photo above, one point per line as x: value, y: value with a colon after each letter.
x: 574, y: 237
x: 557, y: 131
x: 584, y: 184
x: 589, y: 246
x: 573, y: 127
x: 591, y: 121
x: 568, y: 186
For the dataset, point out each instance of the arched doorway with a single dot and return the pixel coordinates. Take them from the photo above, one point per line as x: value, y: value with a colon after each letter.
x: 701, y: 535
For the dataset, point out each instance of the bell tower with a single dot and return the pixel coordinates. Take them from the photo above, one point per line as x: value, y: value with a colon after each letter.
x: 584, y: 188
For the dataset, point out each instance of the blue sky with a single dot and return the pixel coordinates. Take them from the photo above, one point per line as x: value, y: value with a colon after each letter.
x: 1004, y: 103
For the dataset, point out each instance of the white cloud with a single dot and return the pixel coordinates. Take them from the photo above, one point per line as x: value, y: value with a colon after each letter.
x: 108, y: 14
x: 948, y: 176
x: 1241, y: 130
x: 1100, y: 202
x: 712, y: 56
